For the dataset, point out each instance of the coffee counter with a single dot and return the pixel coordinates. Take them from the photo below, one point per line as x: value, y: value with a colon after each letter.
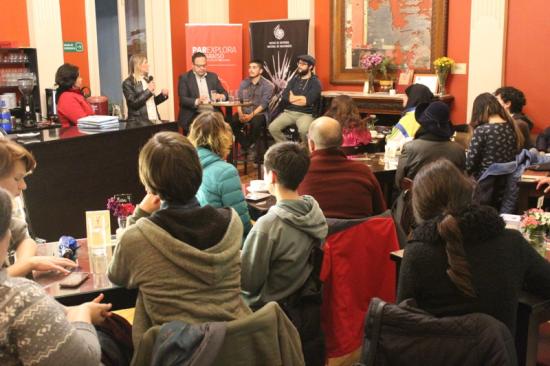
x: 77, y: 171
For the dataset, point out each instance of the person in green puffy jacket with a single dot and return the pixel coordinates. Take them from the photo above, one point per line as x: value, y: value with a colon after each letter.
x: 221, y: 185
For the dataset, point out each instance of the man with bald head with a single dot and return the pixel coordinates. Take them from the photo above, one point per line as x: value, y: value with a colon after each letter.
x: 344, y: 189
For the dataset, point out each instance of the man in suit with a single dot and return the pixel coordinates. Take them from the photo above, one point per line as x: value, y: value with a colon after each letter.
x: 196, y: 88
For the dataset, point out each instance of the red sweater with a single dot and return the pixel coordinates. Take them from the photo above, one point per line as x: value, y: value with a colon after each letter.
x: 72, y: 106
x: 343, y: 188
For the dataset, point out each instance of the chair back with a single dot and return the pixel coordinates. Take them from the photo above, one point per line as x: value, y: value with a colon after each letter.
x: 356, y: 267
x: 266, y: 337
x: 405, y: 335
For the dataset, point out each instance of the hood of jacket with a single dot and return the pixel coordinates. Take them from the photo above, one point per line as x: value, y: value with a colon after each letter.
x: 210, y: 265
x: 303, y: 214
x: 207, y: 157
x: 477, y: 224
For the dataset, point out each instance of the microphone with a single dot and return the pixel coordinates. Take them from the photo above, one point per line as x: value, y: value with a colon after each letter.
x: 149, y: 78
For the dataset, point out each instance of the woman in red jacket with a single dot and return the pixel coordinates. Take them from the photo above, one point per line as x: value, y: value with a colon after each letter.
x: 71, y: 104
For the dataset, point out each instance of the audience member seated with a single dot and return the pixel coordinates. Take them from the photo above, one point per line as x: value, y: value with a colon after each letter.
x: 259, y: 91
x: 354, y: 129
x: 71, y: 104
x: 513, y: 101
x: 277, y: 255
x: 543, y: 141
x: 183, y: 258
x: 299, y: 99
x: 461, y: 259
x: 16, y: 163
x: 345, y: 189
x: 431, y: 142
x: 496, y: 138
x: 221, y: 185
x: 37, y: 330
x: 407, y: 125
x: 139, y: 88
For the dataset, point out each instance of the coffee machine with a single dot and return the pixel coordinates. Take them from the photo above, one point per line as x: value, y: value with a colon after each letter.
x: 26, y: 87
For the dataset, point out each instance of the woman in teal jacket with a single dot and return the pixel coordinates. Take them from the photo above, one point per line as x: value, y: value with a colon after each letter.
x: 221, y: 185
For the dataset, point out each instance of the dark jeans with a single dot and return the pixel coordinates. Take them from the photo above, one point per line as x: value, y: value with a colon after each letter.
x: 256, y: 125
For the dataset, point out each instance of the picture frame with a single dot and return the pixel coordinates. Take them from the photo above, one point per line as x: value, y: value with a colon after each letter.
x: 428, y: 80
x: 406, y: 77
x: 344, y: 47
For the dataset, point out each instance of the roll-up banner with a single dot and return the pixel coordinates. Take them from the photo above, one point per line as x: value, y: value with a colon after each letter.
x: 222, y: 45
x: 278, y: 43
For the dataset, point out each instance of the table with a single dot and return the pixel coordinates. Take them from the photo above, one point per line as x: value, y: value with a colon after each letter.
x: 376, y: 103
x: 77, y: 171
x: 532, y: 311
x: 97, y: 283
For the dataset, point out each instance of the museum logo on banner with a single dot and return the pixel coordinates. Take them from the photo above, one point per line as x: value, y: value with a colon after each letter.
x: 278, y: 43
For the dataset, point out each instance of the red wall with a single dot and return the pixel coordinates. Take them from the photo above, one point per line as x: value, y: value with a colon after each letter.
x: 527, y: 52
x: 14, y: 26
x: 178, y: 17
x: 73, y: 28
x: 458, y: 48
x: 243, y: 11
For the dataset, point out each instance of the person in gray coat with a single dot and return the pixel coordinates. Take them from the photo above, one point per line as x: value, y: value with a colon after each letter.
x: 431, y: 142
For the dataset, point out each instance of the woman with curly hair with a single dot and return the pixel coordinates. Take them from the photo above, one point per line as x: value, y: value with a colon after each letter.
x: 354, y: 128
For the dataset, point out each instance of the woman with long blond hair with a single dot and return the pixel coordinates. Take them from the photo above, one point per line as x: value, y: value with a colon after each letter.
x: 221, y: 185
x: 139, y: 91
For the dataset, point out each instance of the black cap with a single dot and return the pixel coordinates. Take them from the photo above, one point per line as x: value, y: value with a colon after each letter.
x: 434, y: 118
x: 307, y: 58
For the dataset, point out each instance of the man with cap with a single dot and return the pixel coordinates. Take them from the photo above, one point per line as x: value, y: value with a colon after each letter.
x: 432, y: 141
x: 300, y: 101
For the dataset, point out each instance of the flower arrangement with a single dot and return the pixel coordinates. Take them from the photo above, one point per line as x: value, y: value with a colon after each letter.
x: 443, y: 64
x: 120, y: 206
x: 534, y: 224
x: 535, y: 220
x: 371, y: 61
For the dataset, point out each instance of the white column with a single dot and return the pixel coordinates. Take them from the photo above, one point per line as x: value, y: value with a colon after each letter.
x: 209, y: 11
x: 304, y: 9
x: 44, y: 18
x: 91, y: 40
x: 157, y: 19
x: 487, y: 47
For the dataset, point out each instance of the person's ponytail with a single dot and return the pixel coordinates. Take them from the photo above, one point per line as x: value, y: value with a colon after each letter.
x: 459, y: 269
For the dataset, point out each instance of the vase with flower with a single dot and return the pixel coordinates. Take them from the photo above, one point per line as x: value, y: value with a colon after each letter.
x: 535, y: 223
x: 443, y: 66
x: 121, y: 207
x: 370, y: 63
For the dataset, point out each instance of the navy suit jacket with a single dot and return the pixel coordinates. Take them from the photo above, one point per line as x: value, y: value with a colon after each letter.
x: 188, y: 92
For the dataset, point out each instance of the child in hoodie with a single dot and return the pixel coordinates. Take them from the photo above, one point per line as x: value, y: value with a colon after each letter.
x: 183, y: 258
x: 276, y: 256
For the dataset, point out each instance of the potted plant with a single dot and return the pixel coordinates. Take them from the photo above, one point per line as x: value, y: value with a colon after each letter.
x: 443, y: 66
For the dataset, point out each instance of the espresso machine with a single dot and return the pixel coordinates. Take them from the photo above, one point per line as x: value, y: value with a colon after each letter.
x: 26, y: 87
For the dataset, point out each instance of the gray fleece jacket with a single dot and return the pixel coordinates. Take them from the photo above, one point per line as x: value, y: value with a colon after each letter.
x: 275, y: 256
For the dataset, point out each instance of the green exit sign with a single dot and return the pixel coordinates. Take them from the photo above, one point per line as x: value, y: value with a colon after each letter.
x: 73, y: 46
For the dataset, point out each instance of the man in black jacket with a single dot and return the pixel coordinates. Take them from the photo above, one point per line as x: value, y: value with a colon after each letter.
x: 300, y: 100
x: 196, y: 89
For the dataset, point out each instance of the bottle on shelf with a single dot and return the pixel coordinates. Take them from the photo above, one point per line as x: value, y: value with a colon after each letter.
x: 5, y: 117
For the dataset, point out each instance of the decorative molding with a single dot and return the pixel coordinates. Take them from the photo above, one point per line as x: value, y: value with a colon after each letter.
x: 157, y: 20
x: 209, y: 11
x: 44, y: 17
x: 93, y: 53
x: 487, y: 47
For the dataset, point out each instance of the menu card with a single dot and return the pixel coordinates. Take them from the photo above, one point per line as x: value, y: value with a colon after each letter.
x: 98, y: 228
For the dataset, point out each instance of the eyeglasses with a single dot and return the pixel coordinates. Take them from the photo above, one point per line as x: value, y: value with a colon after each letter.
x: 200, y: 66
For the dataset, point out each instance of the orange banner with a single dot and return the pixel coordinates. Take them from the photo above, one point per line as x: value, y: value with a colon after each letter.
x: 222, y: 45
